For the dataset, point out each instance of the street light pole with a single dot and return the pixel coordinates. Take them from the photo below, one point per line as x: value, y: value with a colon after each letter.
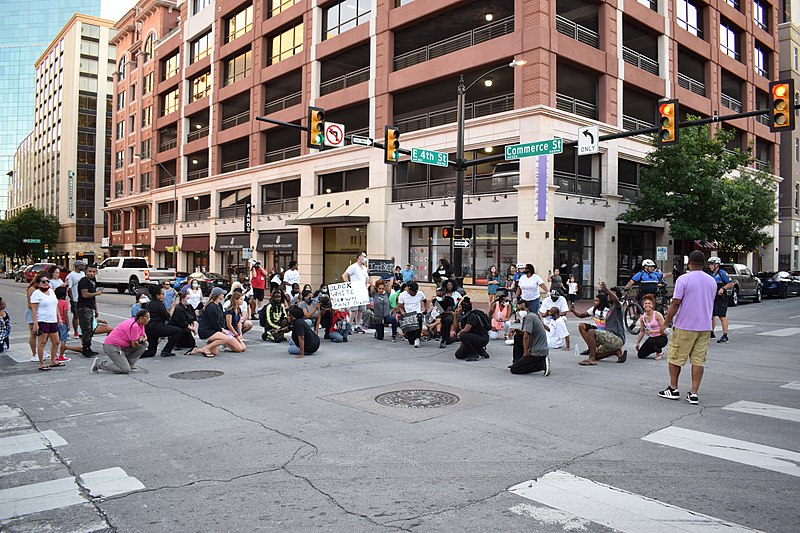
x: 175, y: 214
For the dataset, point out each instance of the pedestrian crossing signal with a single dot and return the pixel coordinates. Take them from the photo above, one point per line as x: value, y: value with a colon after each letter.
x: 316, y: 127
x: 391, y: 145
x: 447, y: 232
x: 668, y: 122
x: 781, y: 108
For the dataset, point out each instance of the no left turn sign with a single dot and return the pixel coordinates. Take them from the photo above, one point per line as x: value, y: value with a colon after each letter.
x: 334, y: 134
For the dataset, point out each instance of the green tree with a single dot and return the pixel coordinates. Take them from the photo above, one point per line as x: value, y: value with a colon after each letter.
x: 702, y: 191
x: 30, y: 223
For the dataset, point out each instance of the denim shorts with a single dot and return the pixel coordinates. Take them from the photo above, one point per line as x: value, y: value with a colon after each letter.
x: 63, y: 332
x: 28, y: 316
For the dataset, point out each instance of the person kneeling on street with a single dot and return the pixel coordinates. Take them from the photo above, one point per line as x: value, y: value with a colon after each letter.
x: 212, y: 326
x: 273, y: 319
x: 474, y: 333
x: 305, y: 340
x: 340, y: 326
x: 382, y: 312
x: 184, y: 318
x: 124, y: 345
x: 557, y: 333
x: 531, y: 353
x: 159, y: 324
x: 607, y: 336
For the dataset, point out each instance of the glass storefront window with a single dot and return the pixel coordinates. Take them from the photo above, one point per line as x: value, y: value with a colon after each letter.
x: 574, y: 254
x: 341, y: 246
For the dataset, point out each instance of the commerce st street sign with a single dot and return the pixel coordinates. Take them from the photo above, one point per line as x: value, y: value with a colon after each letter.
x: 548, y: 147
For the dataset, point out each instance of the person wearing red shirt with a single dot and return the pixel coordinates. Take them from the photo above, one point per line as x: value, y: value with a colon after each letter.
x: 258, y: 282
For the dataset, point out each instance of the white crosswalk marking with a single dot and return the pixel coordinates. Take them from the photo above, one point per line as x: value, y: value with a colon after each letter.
x: 739, y: 451
x: 793, y: 385
x: 784, y: 332
x: 765, y: 409
x: 29, y: 442
x: 110, y: 482
x: 616, y: 508
x: 739, y: 326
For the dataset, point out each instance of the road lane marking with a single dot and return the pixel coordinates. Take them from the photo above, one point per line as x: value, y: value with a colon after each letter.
x: 110, y: 482
x: 6, y: 411
x: 739, y: 451
x: 29, y: 442
x: 739, y: 326
x: 765, y: 409
x: 616, y: 508
x: 796, y: 316
x: 793, y: 385
x: 785, y: 332
x: 550, y: 517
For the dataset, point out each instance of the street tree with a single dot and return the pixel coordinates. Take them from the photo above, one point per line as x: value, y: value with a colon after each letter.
x: 705, y: 192
x: 30, y: 223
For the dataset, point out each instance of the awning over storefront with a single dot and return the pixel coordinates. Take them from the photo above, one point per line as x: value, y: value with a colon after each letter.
x: 145, y: 245
x: 277, y: 241
x: 329, y: 221
x: 162, y: 244
x: 235, y: 242
x: 196, y: 243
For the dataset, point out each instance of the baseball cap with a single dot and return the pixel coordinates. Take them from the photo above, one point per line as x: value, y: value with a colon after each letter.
x: 217, y: 291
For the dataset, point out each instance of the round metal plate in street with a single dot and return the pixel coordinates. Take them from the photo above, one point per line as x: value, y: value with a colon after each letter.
x: 417, y: 399
x: 197, y: 374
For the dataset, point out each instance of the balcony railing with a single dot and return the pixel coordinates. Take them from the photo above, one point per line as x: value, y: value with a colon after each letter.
x: 235, y: 211
x: 762, y: 165
x: 457, y: 42
x: 198, y: 215
x: 691, y: 84
x: 168, y: 144
x: 730, y: 102
x: 235, y: 120
x: 197, y: 174
x: 197, y: 134
x: 764, y: 119
x: 639, y: 60
x: 275, y: 207
x: 166, y: 181
x: 481, y: 108
x: 652, y: 4
x: 283, y: 153
x: 239, y: 164
x: 166, y: 218
x: 628, y: 192
x: 761, y: 71
x: 580, y: 33
x: 282, y: 103
x: 481, y: 184
x: 577, y: 184
x: 573, y: 105
x: 342, y: 82
x: 363, y: 132
x: 633, y: 123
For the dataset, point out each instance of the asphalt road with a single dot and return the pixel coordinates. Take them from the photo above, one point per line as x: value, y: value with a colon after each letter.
x: 280, y: 444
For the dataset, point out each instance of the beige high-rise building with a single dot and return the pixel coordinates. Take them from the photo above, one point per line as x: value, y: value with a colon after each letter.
x: 63, y: 166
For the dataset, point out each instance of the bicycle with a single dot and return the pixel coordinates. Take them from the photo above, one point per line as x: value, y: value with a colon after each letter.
x: 631, y: 312
x: 662, y: 300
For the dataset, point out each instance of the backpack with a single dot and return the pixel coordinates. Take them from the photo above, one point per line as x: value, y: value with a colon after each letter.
x: 483, y: 320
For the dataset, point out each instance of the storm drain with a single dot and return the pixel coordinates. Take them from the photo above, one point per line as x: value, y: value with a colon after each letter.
x: 417, y: 399
x: 197, y: 374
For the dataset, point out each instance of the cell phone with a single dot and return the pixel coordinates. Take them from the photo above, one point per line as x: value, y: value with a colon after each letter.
x: 99, y: 290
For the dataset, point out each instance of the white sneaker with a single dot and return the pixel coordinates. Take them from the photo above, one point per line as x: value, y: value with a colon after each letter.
x: 547, y: 366
x: 416, y: 344
x: 95, y: 365
x: 510, y: 342
x: 34, y: 359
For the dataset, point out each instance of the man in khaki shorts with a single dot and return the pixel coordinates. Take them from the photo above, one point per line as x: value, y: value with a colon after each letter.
x: 691, y: 307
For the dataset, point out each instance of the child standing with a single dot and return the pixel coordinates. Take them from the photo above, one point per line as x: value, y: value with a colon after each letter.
x: 63, y: 322
x: 572, y: 287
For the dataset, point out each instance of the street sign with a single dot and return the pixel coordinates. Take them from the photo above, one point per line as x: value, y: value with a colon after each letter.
x: 460, y: 243
x: 548, y: 147
x: 661, y: 253
x: 588, y: 140
x: 334, y: 134
x: 31, y: 241
x: 429, y: 157
x: 248, y: 218
x: 363, y: 141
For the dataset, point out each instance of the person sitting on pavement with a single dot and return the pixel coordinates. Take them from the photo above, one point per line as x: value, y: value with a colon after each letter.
x: 244, y: 323
x: 652, y: 325
x: 340, y: 326
x: 184, y: 318
x: 531, y: 353
x: 474, y: 333
x: 310, y: 309
x: 142, y: 299
x: 273, y: 318
x: 500, y: 311
x: 554, y: 299
x: 233, y: 322
x: 382, y: 312
x: 158, y: 326
x: 294, y: 295
x: 124, y: 345
x: 556, y: 327
x: 304, y: 340
x: 211, y: 326
x: 607, y: 337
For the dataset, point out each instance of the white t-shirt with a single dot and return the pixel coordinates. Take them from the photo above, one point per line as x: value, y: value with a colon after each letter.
x: 56, y: 283
x: 411, y: 303
x: 560, y: 302
x: 291, y: 276
x: 573, y: 287
x: 530, y: 286
x: 72, y: 279
x: 357, y: 273
x: 195, y: 297
x: 48, y: 305
x: 558, y: 332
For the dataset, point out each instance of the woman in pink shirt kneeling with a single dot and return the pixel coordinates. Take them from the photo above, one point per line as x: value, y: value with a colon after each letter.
x: 124, y: 345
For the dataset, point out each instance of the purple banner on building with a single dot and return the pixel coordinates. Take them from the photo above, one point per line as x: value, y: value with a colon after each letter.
x: 541, y: 188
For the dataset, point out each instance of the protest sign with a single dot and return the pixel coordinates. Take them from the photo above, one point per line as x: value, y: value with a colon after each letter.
x: 348, y: 294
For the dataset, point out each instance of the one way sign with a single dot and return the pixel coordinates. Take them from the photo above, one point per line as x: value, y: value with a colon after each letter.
x: 588, y: 140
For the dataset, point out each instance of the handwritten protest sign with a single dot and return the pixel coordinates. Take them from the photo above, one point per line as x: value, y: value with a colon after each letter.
x: 348, y: 294
x: 381, y: 267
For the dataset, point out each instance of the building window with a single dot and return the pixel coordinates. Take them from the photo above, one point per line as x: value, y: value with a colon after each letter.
x: 147, y: 148
x: 121, y: 67
x: 343, y: 16
x: 278, y: 6
x: 149, y: 42
x: 200, y: 47
x: 144, y: 182
x: 688, y: 16
x: 201, y: 86
x: 797, y: 199
x: 760, y: 61
x: 147, y: 116
x: 797, y: 149
x: 142, y: 218
x: 170, y: 103
x: 238, y: 68
x: 120, y: 161
x: 280, y: 197
x: 286, y: 44
x: 120, y: 100
x: 239, y: 23
x: 147, y: 83
x: 170, y: 66
x: 116, y: 216
x: 761, y: 15
x: 132, y: 120
x: 120, y: 129
x: 728, y: 41
x: 199, y: 5
x: 348, y: 180
x: 132, y: 92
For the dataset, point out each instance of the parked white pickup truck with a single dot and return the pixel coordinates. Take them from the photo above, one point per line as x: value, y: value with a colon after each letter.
x: 130, y: 273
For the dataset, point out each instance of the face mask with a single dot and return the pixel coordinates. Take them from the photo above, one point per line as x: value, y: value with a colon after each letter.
x: 522, y: 314
x: 439, y: 298
x: 195, y: 285
x: 325, y: 291
x: 144, y: 300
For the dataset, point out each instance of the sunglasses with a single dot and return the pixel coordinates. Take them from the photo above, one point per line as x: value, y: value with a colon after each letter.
x: 44, y: 281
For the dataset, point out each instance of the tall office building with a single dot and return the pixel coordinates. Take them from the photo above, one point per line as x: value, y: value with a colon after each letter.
x: 372, y: 63
x: 64, y: 165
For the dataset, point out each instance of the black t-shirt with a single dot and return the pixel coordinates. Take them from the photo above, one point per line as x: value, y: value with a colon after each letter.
x: 91, y: 286
x: 310, y: 339
x: 477, y: 328
x: 183, y: 316
x: 158, y: 314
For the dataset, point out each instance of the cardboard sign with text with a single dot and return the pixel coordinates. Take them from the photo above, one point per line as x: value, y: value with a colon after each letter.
x: 348, y: 294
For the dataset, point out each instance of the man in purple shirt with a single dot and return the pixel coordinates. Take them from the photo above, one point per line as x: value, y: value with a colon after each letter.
x: 691, y: 307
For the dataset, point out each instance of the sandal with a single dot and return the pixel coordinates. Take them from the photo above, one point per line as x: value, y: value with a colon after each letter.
x: 56, y: 364
x: 209, y: 354
x: 586, y: 362
x: 44, y: 368
x: 623, y: 357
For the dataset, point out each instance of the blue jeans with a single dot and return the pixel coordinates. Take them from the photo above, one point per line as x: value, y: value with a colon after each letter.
x: 293, y: 348
x: 338, y: 336
x: 380, y: 327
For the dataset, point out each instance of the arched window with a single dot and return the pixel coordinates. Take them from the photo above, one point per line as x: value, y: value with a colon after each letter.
x: 149, y: 43
x: 122, y: 67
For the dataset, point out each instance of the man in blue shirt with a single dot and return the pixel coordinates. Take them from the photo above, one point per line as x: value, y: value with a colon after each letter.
x: 408, y: 274
x: 724, y: 283
x: 648, y: 278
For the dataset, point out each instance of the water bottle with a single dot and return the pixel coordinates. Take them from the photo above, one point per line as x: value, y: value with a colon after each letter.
x: 576, y: 351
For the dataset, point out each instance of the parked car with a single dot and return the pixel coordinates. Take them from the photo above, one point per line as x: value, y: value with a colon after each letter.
x: 745, y: 284
x: 209, y: 280
x: 130, y: 273
x: 31, y: 272
x: 19, y: 273
x: 780, y: 284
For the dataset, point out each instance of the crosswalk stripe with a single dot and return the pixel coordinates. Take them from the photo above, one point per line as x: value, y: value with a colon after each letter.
x: 6, y: 411
x: 784, y: 332
x: 616, y: 508
x: 793, y: 385
x: 29, y: 442
x: 110, y: 482
x: 739, y: 326
x: 739, y: 451
x: 765, y: 409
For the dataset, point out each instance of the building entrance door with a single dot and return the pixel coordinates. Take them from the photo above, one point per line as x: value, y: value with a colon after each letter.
x: 574, y: 254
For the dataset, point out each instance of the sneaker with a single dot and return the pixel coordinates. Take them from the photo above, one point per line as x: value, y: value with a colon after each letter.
x: 416, y: 344
x: 442, y: 344
x: 344, y: 339
x: 167, y: 354
x: 483, y: 353
x: 510, y: 342
x: 394, y: 338
x: 547, y: 366
x: 95, y: 365
x: 724, y: 338
x: 713, y: 336
x: 34, y: 359
x: 135, y: 368
x: 585, y: 352
x: 670, y: 394
x: 62, y: 359
x: 692, y: 398
x: 76, y: 335
x: 473, y: 358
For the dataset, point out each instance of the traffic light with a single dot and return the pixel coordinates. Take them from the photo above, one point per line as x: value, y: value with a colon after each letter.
x: 467, y: 233
x: 447, y: 232
x: 668, y: 122
x: 316, y: 127
x: 782, y: 112
x: 391, y: 145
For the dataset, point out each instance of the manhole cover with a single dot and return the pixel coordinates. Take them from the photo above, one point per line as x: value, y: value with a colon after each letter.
x: 417, y: 399
x: 197, y: 374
